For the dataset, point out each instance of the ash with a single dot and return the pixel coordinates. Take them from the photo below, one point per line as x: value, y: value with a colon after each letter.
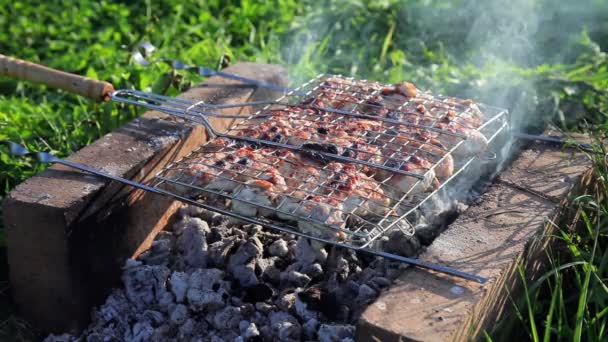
x: 212, y: 279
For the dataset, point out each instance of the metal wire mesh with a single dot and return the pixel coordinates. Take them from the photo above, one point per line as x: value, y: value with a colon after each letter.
x: 303, y: 189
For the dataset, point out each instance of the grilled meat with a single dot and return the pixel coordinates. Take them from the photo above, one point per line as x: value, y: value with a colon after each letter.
x: 404, y: 103
x: 267, y: 182
x: 309, y: 187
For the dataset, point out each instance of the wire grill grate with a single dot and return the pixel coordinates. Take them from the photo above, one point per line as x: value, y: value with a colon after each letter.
x: 304, y: 188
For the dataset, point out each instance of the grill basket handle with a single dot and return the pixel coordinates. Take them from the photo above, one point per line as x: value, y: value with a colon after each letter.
x: 27, y: 71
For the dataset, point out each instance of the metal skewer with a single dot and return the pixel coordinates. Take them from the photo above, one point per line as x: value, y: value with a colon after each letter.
x: 553, y: 139
x: 44, y: 157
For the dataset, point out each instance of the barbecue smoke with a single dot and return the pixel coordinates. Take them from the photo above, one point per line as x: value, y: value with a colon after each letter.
x: 489, y: 51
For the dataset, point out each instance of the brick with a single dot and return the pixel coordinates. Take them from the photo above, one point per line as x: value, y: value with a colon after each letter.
x: 508, y: 225
x: 68, y: 233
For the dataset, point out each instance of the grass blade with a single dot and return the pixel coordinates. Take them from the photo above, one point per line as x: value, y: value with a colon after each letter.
x: 533, y: 329
x: 552, y: 308
x: 582, y: 302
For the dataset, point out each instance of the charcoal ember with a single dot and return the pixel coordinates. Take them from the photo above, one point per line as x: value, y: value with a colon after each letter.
x: 248, y: 330
x: 402, y: 244
x: 318, y: 298
x: 366, y: 293
x: 258, y: 293
x: 247, y: 309
x: 253, y: 229
x: 284, y: 326
x: 262, y: 264
x: 212, y: 337
x: 278, y: 248
x: 350, y: 290
x: 321, y: 255
x: 178, y: 283
x: 264, y: 307
x: 220, y: 250
x: 302, y: 311
x: 381, y: 282
x: 351, y: 256
x: 229, y: 336
x: 163, y: 333
x: 234, y: 222
x: 155, y: 318
x: 191, y: 245
x: 192, y: 330
x: 242, y: 263
x: 217, y: 219
x: 194, y: 211
x: 165, y: 301
x: 379, y: 264
x: 286, y: 300
x: 266, y: 333
x: 141, y: 332
x: 367, y: 274
x: 145, y: 284
x: 335, y: 332
x: 199, y: 300
x: 394, y: 271
x: 187, y: 329
x: 304, y: 252
x: 261, y: 321
x: 272, y: 274
x: 309, y: 328
x: 296, y: 266
x: 245, y: 274
x: 223, y: 336
x: 219, y: 233
x: 337, y: 265
x: 207, y: 290
x: 426, y: 233
x: 234, y: 231
x: 227, y: 318
x: 158, y: 254
x: 105, y: 335
x: 313, y: 270
x: 60, y: 338
x: 246, y: 252
x: 117, y: 308
x: 112, y: 321
x: 178, y: 314
x: 179, y: 226
x: 236, y: 301
x: 296, y: 278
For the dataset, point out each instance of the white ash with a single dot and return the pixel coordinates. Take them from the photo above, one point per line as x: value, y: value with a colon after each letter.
x: 210, y: 280
x: 278, y: 248
x: 179, y: 285
x: 191, y: 244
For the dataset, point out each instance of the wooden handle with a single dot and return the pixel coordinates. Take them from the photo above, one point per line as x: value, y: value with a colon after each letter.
x: 84, y: 86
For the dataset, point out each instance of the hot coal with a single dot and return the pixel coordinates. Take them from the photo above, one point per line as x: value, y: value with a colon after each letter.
x: 226, y: 282
x: 211, y: 278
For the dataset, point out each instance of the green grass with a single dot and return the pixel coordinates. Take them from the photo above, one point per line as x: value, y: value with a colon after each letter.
x: 545, y: 60
x: 570, y: 300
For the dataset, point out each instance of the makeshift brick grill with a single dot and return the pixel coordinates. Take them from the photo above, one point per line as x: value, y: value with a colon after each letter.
x: 337, y: 160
